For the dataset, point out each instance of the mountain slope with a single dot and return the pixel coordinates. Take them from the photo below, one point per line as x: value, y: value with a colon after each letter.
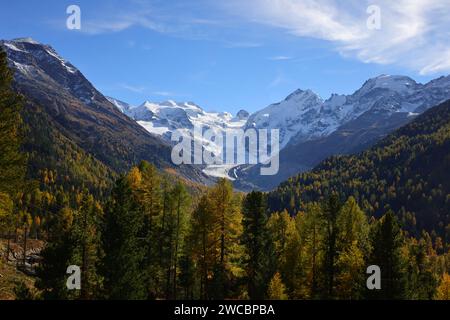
x: 342, y: 124
x: 80, y: 113
x: 408, y: 172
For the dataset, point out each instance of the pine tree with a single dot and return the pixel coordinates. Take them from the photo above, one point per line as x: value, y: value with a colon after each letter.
x: 203, y: 244
x: 421, y: 281
x: 57, y: 257
x: 331, y: 211
x: 215, y: 234
x: 353, y: 246
x: 148, y: 195
x: 86, y: 237
x: 124, y: 245
x: 387, y: 241
x: 443, y: 291
x: 277, y: 290
x: 6, y: 219
x: 309, y: 225
x: 175, y: 227
x: 257, y: 241
x: 286, y: 242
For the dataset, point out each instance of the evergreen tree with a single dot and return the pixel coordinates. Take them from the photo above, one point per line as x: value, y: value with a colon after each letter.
x: 353, y: 247
x: 286, y: 242
x: 310, y: 228
x: 86, y: 238
x: 57, y: 257
x: 177, y: 226
x: 331, y: 211
x: 257, y: 241
x: 203, y: 244
x: 147, y: 193
x: 421, y: 281
x: 443, y: 291
x: 124, y: 245
x: 387, y: 241
x: 277, y: 290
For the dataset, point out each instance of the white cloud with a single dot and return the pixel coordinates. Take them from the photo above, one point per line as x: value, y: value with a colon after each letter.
x: 163, y: 93
x: 133, y: 88
x: 241, y: 44
x: 280, y: 58
x: 414, y: 33
x: 116, y: 23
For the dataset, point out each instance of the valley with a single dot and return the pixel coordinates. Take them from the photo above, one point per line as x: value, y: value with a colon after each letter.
x: 363, y: 181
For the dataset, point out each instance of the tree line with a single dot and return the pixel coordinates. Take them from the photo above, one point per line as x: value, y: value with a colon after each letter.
x: 149, y: 241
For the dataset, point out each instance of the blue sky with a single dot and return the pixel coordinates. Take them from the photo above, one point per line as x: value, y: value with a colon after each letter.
x: 228, y: 55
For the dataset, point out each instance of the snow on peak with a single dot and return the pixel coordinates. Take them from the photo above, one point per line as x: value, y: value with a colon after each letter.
x: 399, y: 84
x: 25, y: 40
x: 300, y: 95
x: 293, y: 115
x: 22, y: 48
x: 122, y: 106
x: 242, y: 115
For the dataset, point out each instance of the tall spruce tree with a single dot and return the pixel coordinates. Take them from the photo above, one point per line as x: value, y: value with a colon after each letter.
x: 86, y: 239
x: 259, y: 260
x: 57, y: 256
x: 124, y: 245
x: 387, y: 241
x: 310, y: 228
x: 331, y: 210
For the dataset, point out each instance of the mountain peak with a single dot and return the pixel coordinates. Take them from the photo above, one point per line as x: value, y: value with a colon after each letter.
x: 25, y: 40
x: 242, y: 114
x: 301, y: 94
x: 397, y: 83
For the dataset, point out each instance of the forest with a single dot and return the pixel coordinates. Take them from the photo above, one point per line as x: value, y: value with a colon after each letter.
x: 148, y: 234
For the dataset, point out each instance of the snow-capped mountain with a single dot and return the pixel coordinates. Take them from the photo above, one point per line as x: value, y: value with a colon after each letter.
x: 42, y: 63
x: 162, y: 119
x: 312, y: 129
x: 165, y: 117
x: 381, y: 105
x: 304, y: 116
x: 296, y: 114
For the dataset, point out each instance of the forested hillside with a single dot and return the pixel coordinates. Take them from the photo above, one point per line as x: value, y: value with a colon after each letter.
x: 408, y: 172
x: 63, y: 106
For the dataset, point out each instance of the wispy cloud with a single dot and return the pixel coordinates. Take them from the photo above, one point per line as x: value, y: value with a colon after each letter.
x: 414, y: 33
x: 163, y: 93
x: 165, y: 17
x: 133, y: 88
x: 242, y: 44
x: 123, y: 21
x: 280, y: 58
x: 147, y: 90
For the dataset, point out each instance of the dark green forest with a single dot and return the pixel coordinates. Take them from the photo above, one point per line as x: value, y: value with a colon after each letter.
x: 147, y: 234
